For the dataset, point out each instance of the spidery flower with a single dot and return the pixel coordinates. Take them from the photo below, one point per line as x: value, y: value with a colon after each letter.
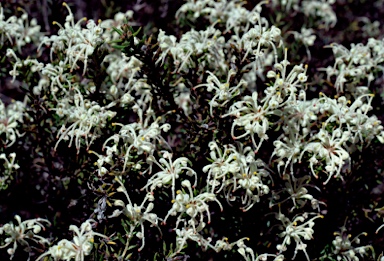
x: 193, y: 206
x: 136, y: 214
x: 79, y: 247
x: 169, y: 172
x: 86, y: 118
x: 75, y: 42
x: 293, y: 230
x: 223, y: 91
x: 22, y: 232
x: 251, y: 118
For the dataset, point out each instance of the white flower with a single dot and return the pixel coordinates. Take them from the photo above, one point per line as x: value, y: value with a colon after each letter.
x: 250, y: 179
x: 137, y: 214
x: 84, y: 117
x: 169, y: 172
x: 78, y: 43
x: 193, y: 206
x: 297, y: 232
x: 251, y: 117
x: 79, y: 247
x: 224, y: 92
x: 22, y: 232
x: 223, y: 163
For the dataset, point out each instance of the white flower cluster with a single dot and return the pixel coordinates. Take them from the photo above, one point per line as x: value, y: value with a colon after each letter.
x: 232, y: 13
x: 87, y: 118
x: 249, y: 32
x: 118, y: 20
x: 294, y: 232
x: 10, y: 118
x: 341, y: 124
x: 233, y: 170
x: 122, y: 70
x: 208, y: 44
x: 355, y: 64
x: 186, y: 202
x: 297, y: 191
x: 287, y: 5
x: 22, y: 232
x: 169, y: 172
x: 251, y: 117
x: 307, y: 37
x: 224, y: 92
x: 252, y: 114
x: 322, y: 10
x: 135, y: 214
x: 79, y: 247
x: 344, y: 248
x: 138, y: 153
x: 75, y: 42
x: 19, y: 29
x: 138, y: 138
x: 10, y: 166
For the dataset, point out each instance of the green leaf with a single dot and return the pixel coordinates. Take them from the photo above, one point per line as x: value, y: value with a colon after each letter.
x: 118, y: 31
x: 120, y: 47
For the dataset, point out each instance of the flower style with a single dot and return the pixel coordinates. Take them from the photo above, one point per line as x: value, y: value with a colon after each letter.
x: 169, y: 173
x: 292, y: 230
x: 21, y: 232
x: 224, y: 93
x: 79, y: 247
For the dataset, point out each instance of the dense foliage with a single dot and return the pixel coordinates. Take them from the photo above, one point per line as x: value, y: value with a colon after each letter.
x: 193, y: 130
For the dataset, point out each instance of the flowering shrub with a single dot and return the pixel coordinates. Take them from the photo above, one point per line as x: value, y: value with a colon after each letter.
x: 215, y: 137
